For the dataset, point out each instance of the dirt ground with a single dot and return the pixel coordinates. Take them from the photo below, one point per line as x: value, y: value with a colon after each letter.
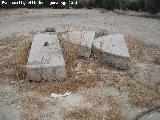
x: 99, y: 92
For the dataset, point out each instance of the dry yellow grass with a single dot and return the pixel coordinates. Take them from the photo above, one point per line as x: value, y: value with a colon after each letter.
x: 141, y: 95
x: 82, y: 114
x: 17, y: 55
x: 142, y: 51
x: 70, y: 84
x: 36, y: 102
x: 28, y: 116
x: 97, y: 100
x: 135, y: 47
x: 20, y: 58
x: 70, y: 52
x: 116, y: 81
x: 114, y: 113
x: 33, y: 102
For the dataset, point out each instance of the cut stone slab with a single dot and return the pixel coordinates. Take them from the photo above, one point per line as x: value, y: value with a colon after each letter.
x: 45, y: 60
x: 82, y: 39
x: 113, y: 50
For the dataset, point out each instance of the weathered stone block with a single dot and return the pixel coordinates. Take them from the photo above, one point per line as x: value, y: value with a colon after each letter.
x: 45, y: 60
x: 82, y: 39
x: 113, y: 50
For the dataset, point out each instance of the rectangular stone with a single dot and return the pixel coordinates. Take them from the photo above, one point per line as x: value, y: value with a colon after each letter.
x: 113, y: 50
x: 45, y: 60
x: 82, y: 39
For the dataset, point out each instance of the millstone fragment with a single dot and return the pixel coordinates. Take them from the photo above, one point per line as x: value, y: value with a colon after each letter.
x: 113, y: 50
x: 82, y: 39
x: 45, y: 60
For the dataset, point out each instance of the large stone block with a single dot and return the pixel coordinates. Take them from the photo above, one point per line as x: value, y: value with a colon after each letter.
x: 45, y: 60
x: 82, y: 39
x: 113, y: 50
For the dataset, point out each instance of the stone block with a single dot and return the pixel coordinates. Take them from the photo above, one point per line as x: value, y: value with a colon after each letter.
x: 82, y: 39
x: 45, y: 60
x: 112, y: 50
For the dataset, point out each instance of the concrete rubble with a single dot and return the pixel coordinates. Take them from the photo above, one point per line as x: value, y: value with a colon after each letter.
x: 82, y: 40
x: 112, y: 50
x: 45, y: 60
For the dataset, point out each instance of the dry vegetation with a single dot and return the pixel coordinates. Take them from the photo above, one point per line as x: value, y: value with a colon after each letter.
x: 35, y: 102
x: 135, y: 47
x: 142, y: 51
x: 143, y: 96
x: 82, y: 114
x: 142, y: 93
x: 20, y: 58
x: 15, y: 55
x: 114, y: 113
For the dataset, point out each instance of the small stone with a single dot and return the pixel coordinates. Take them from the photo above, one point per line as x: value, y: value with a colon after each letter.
x: 50, y: 29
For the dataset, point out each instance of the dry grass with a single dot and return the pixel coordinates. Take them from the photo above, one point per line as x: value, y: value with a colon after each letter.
x: 97, y: 100
x: 36, y: 102
x: 135, y: 47
x: 82, y: 114
x: 114, y: 113
x: 33, y: 102
x: 115, y: 80
x: 28, y: 116
x: 70, y: 84
x: 21, y: 57
x: 70, y: 52
x: 16, y: 56
x: 142, y: 51
x: 142, y: 95
x: 112, y: 78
